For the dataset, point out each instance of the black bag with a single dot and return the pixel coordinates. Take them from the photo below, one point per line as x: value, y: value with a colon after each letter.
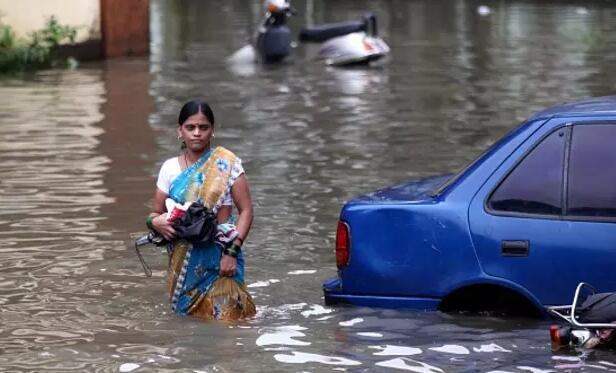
x: 198, y: 224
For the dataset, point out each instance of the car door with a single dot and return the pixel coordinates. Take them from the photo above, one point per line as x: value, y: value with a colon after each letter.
x: 546, y: 219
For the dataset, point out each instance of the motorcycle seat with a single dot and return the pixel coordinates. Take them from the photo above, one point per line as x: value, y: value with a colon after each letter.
x: 598, y: 308
x: 327, y: 31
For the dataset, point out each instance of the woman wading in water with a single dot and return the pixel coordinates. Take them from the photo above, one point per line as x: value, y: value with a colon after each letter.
x: 206, y: 279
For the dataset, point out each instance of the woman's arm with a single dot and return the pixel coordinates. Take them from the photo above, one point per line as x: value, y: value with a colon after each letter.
x: 241, y: 197
x: 159, y: 214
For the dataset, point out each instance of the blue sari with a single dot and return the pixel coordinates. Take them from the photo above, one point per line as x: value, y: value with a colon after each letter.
x: 194, y: 267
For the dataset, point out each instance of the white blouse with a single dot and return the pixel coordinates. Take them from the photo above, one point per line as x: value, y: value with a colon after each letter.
x: 171, y: 169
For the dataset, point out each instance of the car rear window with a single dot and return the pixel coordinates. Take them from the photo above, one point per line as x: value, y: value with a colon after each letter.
x: 534, y: 186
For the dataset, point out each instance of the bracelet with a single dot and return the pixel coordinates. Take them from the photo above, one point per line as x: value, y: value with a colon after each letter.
x: 240, y: 239
x: 149, y: 222
x: 232, y: 250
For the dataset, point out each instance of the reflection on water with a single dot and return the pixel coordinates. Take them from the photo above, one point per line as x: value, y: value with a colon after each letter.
x: 51, y: 193
x: 80, y: 150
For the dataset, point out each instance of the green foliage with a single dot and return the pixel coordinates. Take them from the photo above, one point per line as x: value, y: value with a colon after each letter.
x: 37, y: 52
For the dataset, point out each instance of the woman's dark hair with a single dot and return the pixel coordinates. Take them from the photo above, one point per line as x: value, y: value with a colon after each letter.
x: 193, y: 107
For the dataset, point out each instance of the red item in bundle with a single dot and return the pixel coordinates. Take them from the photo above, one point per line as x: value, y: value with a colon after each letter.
x: 175, y: 214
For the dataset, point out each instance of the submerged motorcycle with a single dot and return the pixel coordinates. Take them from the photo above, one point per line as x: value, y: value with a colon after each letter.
x: 341, y: 43
x: 589, y: 324
x: 347, y: 43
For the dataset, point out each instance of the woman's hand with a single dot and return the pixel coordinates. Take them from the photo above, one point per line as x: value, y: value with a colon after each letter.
x: 227, y: 266
x: 164, y: 227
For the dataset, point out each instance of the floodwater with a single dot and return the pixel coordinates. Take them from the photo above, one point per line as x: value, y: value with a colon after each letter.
x: 79, y: 151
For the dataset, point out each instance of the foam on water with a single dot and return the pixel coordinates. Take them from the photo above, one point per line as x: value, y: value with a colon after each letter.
x: 303, y: 357
x: 535, y: 370
x: 282, y: 311
x: 281, y: 348
x: 566, y: 358
x: 260, y: 284
x: 492, y: 347
x: 452, y: 349
x: 351, y: 322
x: 283, y: 336
x: 128, y: 367
x: 388, y: 350
x: 370, y: 334
x: 302, y: 272
x: 570, y: 362
x: 283, y: 89
x: 317, y: 309
x: 590, y: 366
x: 402, y: 363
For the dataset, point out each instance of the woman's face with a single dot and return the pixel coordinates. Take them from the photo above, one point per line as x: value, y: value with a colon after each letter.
x: 196, y: 132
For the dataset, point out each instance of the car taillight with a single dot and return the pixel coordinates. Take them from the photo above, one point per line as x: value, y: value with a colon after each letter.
x: 343, y: 244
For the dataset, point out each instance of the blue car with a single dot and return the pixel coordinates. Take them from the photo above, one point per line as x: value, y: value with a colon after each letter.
x: 516, y: 229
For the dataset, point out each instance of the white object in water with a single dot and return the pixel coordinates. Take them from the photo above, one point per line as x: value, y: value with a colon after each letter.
x: 242, y: 61
x: 245, y: 54
x: 128, y: 367
x: 483, y: 10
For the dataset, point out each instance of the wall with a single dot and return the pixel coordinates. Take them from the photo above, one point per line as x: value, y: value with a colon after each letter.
x: 25, y: 16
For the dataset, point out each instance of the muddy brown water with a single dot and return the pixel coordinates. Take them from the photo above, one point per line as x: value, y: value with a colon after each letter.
x: 79, y: 150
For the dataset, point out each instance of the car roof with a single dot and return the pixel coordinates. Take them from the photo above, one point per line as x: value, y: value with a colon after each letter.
x: 595, y: 105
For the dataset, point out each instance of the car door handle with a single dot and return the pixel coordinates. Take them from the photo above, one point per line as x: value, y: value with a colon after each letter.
x: 514, y: 248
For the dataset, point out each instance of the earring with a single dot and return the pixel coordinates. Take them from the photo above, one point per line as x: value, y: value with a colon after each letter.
x: 182, y: 142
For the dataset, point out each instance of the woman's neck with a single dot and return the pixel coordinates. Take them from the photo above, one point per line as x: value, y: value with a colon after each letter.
x: 191, y: 157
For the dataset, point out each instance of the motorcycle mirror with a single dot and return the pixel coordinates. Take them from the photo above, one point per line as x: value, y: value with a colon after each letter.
x: 143, y: 240
x: 371, y: 28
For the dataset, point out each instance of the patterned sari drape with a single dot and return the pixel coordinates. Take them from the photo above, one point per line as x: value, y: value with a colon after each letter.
x: 195, y: 286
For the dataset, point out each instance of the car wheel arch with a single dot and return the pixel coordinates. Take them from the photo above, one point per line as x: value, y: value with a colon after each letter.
x: 495, y: 296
